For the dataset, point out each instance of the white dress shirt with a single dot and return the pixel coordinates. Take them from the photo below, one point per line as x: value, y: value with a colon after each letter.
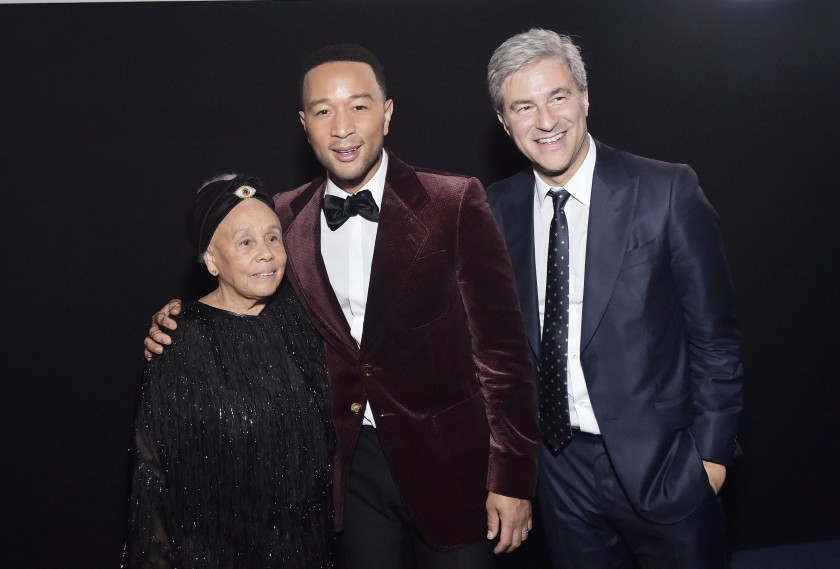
x: 577, y: 217
x: 347, y: 253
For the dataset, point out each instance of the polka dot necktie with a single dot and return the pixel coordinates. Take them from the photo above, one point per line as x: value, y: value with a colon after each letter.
x: 554, y: 405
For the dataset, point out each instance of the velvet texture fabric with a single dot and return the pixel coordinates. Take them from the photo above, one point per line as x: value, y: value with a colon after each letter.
x: 215, y: 200
x: 443, y: 360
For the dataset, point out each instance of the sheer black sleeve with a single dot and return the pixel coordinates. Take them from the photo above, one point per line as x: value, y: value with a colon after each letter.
x: 148, y: 545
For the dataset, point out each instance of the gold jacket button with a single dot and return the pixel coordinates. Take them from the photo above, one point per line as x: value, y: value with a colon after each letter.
x: 356, y: 408
x: 367, y: 369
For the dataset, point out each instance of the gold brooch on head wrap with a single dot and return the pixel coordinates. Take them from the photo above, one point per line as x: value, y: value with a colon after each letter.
x: 244, y: 192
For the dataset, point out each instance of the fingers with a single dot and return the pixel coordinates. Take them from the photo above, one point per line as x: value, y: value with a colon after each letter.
x: 174, y: 307
x: 509, y: 539
x: 158, y: 322
x: 492, y: 524
x: 150, y: 346
x: 162, y: 320
x: 510, y: 519
x: 512, y: 536
x: 156, y: 339
x: 716, y: 474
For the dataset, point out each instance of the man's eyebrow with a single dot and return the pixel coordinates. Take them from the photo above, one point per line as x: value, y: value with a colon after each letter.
x: 326, y: 100
x: 556, y: 91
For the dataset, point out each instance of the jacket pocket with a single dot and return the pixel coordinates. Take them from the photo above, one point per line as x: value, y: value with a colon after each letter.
x: 640, y: 254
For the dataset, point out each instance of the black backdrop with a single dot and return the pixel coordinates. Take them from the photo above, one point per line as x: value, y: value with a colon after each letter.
x: 112, y: 114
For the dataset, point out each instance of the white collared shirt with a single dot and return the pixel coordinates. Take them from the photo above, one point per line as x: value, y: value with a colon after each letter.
x: 347, y: 253
x: 577, y: 216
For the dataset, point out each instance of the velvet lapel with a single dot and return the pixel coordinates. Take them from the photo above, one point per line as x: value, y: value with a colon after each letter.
x: 518, y: 226
x: 614, y: 192
x: 399, y: 240
x: 302, y: 238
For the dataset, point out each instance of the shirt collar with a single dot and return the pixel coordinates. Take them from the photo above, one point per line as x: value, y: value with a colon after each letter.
x: 579, y: 186
x: 376, y: 185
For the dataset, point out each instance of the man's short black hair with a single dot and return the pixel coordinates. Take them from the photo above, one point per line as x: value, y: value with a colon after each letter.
x: 344, y: 52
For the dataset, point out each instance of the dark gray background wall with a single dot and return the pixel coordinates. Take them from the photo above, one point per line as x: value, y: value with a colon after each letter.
x: 112, y: 114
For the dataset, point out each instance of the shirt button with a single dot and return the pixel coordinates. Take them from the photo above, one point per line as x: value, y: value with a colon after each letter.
x: 367, y: 370
x: 356, y: 408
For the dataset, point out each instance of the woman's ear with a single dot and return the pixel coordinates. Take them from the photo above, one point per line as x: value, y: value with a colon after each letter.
x: 210, y: 263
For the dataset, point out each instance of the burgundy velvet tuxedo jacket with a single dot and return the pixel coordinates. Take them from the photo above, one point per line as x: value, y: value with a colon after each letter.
x: 660, y: 350
x: 443, y: 361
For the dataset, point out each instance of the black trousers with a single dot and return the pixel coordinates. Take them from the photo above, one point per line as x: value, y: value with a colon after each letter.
x: 590, y: 524
x: 378, y: 532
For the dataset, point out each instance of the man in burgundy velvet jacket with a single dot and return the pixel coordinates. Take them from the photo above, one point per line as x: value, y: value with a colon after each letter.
x: 442, y: 364
x: 432, y: 382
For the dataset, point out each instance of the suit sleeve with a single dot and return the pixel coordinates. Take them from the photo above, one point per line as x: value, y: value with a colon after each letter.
x: 705, y: 290
x: 501, y: 355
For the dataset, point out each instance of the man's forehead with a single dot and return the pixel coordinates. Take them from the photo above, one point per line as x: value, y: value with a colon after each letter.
x: 553, y: 63
x: 325, y: 74
x: 547, y: 79
x: 336, y: 67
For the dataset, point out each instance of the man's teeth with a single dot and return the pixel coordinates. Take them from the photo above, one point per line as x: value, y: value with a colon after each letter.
x: 554, y: 138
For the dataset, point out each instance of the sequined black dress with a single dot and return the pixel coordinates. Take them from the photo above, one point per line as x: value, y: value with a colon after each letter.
x: 232, y: 464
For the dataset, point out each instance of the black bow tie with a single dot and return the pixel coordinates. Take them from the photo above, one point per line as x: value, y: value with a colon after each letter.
x: 337, y: 209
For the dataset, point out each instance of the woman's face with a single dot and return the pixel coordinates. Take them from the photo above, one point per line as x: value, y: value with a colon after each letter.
x: 247, y: 251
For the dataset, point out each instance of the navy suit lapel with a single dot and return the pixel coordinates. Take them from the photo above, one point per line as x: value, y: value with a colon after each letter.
x: 517, y: 225
x: 612, y: 204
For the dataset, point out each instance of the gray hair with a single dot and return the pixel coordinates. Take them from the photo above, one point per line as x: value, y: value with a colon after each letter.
x: 217, y: 178
x: 526, y: 49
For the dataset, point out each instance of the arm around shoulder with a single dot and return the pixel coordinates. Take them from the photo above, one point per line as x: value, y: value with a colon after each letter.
x: 156, y: 340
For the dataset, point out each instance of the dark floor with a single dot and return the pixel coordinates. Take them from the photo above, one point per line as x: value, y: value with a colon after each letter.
x: 818, y: 555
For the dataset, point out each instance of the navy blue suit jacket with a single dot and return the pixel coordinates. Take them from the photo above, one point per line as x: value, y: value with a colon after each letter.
x: 659, y: 346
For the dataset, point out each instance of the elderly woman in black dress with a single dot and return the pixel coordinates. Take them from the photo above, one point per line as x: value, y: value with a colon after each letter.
x: 233, y: 436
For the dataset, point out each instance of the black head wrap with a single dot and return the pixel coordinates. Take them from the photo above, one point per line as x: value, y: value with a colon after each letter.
x: 214, y: 201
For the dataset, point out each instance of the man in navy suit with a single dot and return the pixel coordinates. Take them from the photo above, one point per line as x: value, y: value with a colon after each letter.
x: 652, y: 381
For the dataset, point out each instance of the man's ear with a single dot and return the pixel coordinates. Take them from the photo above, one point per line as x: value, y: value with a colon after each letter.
x: 389, y: 110
x: 504, y: 123
x: 586, y: 100
x: 302, y: 116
